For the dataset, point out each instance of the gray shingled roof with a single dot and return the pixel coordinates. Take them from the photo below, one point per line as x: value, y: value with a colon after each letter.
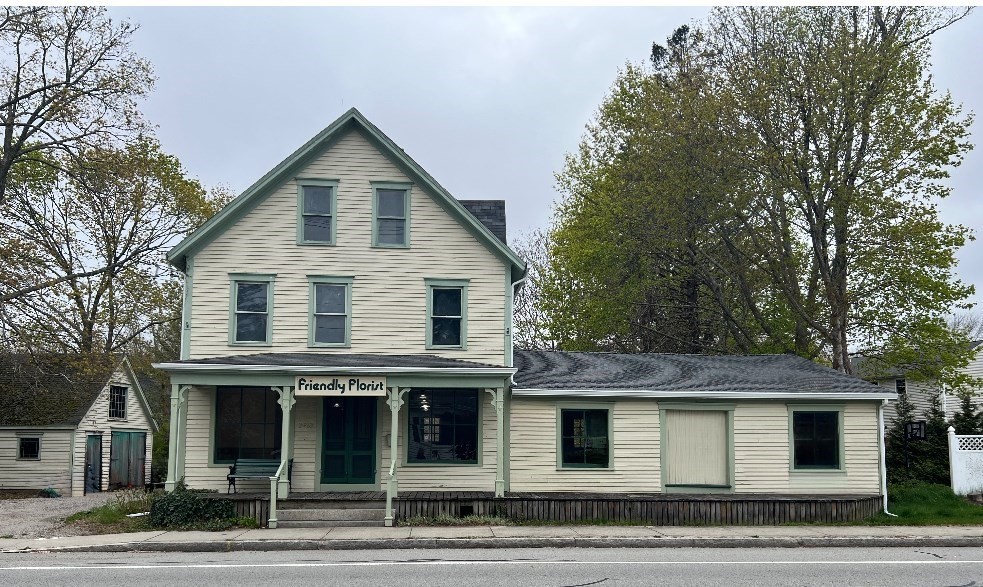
x: 333, y: 360
x: 50, y: 390
x: 557, y: 370
x: 491, y: 213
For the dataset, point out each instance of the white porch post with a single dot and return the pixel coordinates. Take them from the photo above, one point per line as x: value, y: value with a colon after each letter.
x: 498, y: 400
x: 394, y: 401
x: 176, y: 436
x: 286, y: 401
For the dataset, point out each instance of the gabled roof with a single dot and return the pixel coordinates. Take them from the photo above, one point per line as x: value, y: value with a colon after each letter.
x: 57, y: 389
x: 351, y: 120
x: 691, y: 376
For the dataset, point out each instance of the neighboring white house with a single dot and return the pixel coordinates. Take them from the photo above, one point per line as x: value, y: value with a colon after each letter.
x: 74, y: 426
x: 348, y: 320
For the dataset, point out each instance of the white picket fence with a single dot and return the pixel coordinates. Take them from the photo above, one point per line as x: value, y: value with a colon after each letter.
x: 965, y: 463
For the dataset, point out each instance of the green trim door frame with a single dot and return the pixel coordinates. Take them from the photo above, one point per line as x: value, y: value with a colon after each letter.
x: 665, y: 406
x: 349, y: 443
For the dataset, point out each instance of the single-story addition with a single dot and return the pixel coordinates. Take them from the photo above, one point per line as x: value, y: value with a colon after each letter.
x: 347, y: 336
x: 76, y: 426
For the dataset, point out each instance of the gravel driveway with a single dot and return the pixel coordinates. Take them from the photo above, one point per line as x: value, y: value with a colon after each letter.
x: 40, y: 517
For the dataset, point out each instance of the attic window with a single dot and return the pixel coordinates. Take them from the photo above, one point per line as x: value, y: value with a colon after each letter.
x: 391, y: 215
x: 117, y: 402
x: 29, y: 448
x: 316, y: 203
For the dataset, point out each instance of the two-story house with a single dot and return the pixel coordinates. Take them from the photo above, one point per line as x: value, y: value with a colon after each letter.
x: 349, y: 320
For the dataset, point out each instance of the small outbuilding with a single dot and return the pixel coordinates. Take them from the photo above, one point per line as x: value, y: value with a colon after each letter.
x: 75, y: 425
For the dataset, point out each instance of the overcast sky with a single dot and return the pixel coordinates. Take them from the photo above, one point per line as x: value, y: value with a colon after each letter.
x: 488, y: 100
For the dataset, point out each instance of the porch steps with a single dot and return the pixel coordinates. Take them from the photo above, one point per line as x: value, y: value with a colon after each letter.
x: 323, y: 514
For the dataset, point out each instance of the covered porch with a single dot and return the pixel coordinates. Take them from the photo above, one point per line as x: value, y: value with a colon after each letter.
x: 338, y: 424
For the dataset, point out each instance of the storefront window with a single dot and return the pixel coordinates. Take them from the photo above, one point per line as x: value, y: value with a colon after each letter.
x: 247, y: 424
x: 443, y: 426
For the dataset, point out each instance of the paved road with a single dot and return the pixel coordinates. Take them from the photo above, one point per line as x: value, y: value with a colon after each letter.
x: 548, y: 567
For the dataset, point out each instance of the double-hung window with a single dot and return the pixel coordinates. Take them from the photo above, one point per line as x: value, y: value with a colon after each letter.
x: 252, y: 308
x: 331, y: 314
x: 390, y: 214
x: 816, y: 438
x: 316, y: 204
x: 117, y: 402
x: 447, y: 313
x: 584, y: 438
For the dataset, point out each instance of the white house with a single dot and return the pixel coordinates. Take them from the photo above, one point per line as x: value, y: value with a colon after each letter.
x: 75, y: 425
x: 347, y: 328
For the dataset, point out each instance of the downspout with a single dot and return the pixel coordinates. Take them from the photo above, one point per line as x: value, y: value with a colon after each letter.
x: 880, y: 442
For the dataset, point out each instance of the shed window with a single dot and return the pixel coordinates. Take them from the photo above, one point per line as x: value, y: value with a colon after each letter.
x: 248, y: 424
x: 584, y: 438
x: 317, y: 214
x: 443, y: 426
x: 816, y: 443
x: 117, y: 402
x: 29, y: 448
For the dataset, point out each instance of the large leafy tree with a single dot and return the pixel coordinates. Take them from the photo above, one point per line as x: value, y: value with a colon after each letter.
x: 785, y: 165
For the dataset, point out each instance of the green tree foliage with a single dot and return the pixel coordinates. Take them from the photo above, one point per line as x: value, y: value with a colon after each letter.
x: 927, y: 460
x: 768, y: 184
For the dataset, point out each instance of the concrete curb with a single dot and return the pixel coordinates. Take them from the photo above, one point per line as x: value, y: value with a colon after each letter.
x: 556, y: 542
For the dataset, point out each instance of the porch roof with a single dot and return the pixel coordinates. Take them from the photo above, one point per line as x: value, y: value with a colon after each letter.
x: 276, y: 368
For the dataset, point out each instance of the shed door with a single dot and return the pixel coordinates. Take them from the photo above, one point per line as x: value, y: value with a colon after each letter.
x: 127, y: 459
x: 696, y: 451
x: 93, y: 463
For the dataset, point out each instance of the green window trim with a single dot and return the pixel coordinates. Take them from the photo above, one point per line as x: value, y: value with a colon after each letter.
x: 461, y: 284
x: 407, y: 423
x: 234, y: 280
x: 312, y: 282
x: 213, y: 429
x: 840, y: 440
x: 332, y: 184
x: 406, y: 188
x: 117, y: 404
x: 584, y: 407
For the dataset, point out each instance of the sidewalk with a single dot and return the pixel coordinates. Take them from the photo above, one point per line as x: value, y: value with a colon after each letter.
x: 509, y: 537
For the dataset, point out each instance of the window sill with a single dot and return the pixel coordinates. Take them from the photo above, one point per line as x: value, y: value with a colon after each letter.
x: 440, y: 464
x: 234, y: 343
x: 815, y: 471
x: 379, y: 246
x: 431, y: 347
x: 581, y: 469
x: 329, y: 345
x: 317, y: 243
x: 27, y: 459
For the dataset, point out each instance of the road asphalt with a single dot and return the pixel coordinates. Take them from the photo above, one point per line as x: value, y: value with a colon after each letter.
x: 342, y: 538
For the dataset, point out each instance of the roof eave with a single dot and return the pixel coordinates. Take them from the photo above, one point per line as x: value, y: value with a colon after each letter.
x: 321, y: 369
x: 729, y: 395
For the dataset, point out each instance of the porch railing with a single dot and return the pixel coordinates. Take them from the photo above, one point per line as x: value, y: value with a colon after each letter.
x: 274, y: 483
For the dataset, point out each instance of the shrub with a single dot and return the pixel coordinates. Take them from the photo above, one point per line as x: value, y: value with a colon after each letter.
x: 184, y: 508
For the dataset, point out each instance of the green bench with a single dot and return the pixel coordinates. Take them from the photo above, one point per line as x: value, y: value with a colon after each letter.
x: 254, y: 469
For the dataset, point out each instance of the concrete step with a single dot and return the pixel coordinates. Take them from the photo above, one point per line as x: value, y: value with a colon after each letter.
x: 327, y: 523
x: 328, y: 504
x: 333, y: 515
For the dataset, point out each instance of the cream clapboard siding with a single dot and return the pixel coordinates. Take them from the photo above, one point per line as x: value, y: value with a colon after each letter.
x: 306, y: 423
x: 635, y: 442
x: 761, y: 451
x: 52, y: 470
x: 96, y: 421
x: 388, y: 295
x: 920, y: 394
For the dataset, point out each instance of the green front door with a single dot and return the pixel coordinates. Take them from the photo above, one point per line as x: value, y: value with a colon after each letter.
x: 348, y: 450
